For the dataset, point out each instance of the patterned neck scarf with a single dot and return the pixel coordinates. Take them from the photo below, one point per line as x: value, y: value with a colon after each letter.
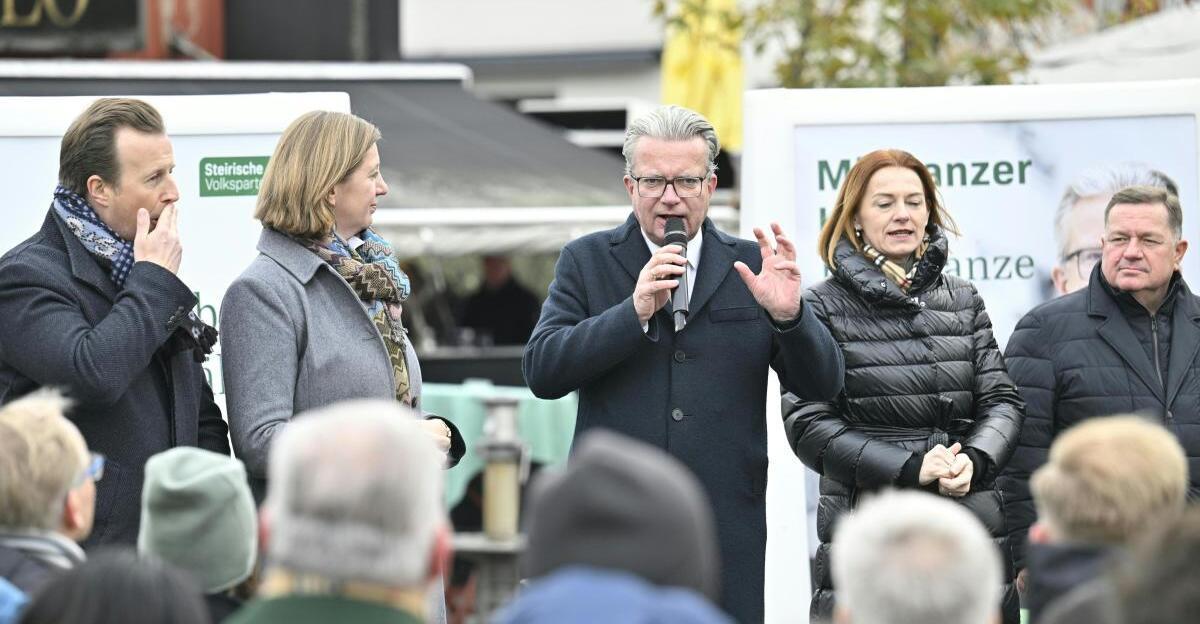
x: 95, y: 235
x: 191, y: 333
x: 374, y: 273
x: 893, y: 270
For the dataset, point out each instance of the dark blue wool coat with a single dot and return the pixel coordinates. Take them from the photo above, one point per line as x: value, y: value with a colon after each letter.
x: 63, y: 323
x: 699, y: 394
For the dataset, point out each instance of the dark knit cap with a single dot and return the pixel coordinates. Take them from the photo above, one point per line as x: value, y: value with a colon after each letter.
x: 625, y: 505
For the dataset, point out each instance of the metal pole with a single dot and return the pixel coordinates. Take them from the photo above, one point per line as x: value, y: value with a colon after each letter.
x: 359, y: 31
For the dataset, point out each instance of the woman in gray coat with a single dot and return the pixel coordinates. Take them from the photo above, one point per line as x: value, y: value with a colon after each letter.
x: 315, y: 319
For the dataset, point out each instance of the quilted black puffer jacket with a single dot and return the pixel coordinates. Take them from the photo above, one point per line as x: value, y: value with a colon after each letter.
x: 921, y: 369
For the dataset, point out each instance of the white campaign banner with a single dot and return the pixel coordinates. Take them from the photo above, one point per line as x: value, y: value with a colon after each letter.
x: 221, y: 144
x: 1003, y: 158
x: 1002, y: 181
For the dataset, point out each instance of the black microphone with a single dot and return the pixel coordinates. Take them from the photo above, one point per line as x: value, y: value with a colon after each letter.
x: 676, y: 234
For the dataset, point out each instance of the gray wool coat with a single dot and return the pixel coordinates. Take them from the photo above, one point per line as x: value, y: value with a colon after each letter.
x: 295, y: 336
x: 699, y: 394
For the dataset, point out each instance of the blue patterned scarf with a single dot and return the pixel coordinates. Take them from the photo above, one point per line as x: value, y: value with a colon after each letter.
x: 373, y: 272
x: 191, y: 334
x: 376, y: 252
x: 95, y: 235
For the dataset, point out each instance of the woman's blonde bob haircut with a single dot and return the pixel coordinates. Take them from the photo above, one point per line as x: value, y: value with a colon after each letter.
x: 854, y: 190
x: 317, y: 150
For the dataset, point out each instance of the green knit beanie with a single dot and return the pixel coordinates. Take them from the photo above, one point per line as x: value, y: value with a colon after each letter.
x: 198, y: 515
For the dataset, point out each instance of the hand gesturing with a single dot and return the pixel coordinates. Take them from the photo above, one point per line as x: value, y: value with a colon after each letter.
x: 777, y: 286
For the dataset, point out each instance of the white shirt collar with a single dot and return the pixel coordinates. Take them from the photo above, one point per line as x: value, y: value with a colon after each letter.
x: 693, y: 248
x: 693, y: 258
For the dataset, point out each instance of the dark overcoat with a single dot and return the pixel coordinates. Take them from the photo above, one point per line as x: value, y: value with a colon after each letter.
x: 1077, y: 357
x: 699, y: 394
x: 64, y: 323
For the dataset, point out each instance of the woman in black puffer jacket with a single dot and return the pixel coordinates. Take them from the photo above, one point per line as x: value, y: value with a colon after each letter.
x: 927, y: 401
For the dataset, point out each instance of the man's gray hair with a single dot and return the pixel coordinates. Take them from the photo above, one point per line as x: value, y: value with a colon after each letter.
x: 1151, y: 195
x: 671, y: 123
x: 355, y: 494
x: 907, y: 557
x: 1105, y: 180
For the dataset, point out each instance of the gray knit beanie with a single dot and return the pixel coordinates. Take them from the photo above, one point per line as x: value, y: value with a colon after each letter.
x: 625, y: 505
x: 198, y: 515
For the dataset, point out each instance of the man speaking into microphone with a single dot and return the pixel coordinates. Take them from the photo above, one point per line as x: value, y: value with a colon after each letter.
x: 690, y: 377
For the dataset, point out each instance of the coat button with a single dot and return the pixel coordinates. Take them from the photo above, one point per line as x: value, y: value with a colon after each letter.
x: 680, y: 356
x: 677, y: 414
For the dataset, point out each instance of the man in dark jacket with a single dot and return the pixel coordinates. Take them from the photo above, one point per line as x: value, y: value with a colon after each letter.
x: 503, y: 311
x: 47, y: 490
x: 698, y: 392
x: 1129, y: 342
x: 92, y: 304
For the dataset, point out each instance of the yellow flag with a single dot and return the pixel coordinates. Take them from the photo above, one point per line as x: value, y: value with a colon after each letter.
x: 702, y: 69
